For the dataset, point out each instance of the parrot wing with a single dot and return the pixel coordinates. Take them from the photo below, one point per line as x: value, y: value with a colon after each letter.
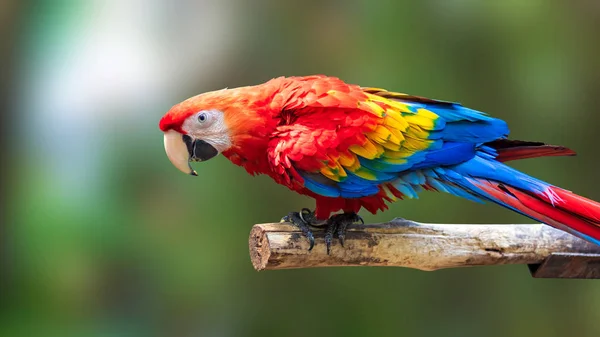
x: 345, y: 141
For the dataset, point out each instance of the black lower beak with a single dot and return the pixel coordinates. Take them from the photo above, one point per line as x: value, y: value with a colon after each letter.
x: 198, y: 149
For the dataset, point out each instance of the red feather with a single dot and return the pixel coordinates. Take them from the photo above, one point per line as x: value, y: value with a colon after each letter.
x: 518, y: 149
x: 570, y: 210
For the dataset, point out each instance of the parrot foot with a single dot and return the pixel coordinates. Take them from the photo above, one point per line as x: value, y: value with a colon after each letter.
x: 337, y: 224
x: 303, y: 220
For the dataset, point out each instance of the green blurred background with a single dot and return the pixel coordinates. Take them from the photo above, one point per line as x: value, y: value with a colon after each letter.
x: 101, y: 236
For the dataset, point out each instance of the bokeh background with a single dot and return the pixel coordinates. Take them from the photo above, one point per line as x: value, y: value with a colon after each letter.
x: 101, y: 236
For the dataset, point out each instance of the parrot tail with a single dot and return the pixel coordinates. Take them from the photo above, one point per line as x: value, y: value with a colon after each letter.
x: 568, y: 211
x: 518, y: 149
x: 503, y: 185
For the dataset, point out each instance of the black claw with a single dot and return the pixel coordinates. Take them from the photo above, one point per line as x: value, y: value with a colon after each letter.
x: 311, y: 240
x: 328, y: 241
x: 341, y: 232
x: 331, y: 227
x: 341, y: 237
x: 308, y: 216
x: 336, y: 224
x: 297, y: 219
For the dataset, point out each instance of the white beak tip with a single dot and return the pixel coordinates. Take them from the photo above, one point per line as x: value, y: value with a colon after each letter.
x: 177, y: 152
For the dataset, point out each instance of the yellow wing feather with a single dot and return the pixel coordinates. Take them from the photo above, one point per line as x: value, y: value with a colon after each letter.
x: 399, y: 133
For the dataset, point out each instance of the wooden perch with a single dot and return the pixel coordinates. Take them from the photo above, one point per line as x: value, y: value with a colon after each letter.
x: 401, y: 243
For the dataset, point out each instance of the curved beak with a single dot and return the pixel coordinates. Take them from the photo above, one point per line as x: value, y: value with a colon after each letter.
x: 181, y: 149
x: 178, y: 153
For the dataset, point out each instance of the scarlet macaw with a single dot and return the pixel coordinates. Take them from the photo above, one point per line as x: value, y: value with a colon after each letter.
x: 350, y: 147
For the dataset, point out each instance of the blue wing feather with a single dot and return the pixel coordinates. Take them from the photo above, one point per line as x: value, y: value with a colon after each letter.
x: 457, y: 138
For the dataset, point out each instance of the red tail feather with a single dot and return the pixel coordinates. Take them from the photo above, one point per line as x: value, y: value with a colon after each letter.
x: 566, y: 211
x: 518, y: 149
x: 583, y: 207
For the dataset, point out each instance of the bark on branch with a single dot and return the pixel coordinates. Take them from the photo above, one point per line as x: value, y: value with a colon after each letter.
x: 403, y: 243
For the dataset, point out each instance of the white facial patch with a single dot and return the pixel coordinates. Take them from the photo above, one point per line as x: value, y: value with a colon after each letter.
x: 209, y: 126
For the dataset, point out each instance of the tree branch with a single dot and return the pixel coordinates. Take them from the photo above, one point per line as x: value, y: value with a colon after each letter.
x: 403, y: 243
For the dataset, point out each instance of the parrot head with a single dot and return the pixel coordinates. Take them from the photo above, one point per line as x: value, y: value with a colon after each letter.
x: 206, y: 125
x: 196, y: 129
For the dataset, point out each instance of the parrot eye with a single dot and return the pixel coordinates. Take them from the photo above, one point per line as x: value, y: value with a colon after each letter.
x: 202, y: 117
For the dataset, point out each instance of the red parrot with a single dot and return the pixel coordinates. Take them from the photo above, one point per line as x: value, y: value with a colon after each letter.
x: 350, y: 147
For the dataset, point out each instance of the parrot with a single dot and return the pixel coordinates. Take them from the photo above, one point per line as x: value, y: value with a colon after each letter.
x: 351, y: 147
